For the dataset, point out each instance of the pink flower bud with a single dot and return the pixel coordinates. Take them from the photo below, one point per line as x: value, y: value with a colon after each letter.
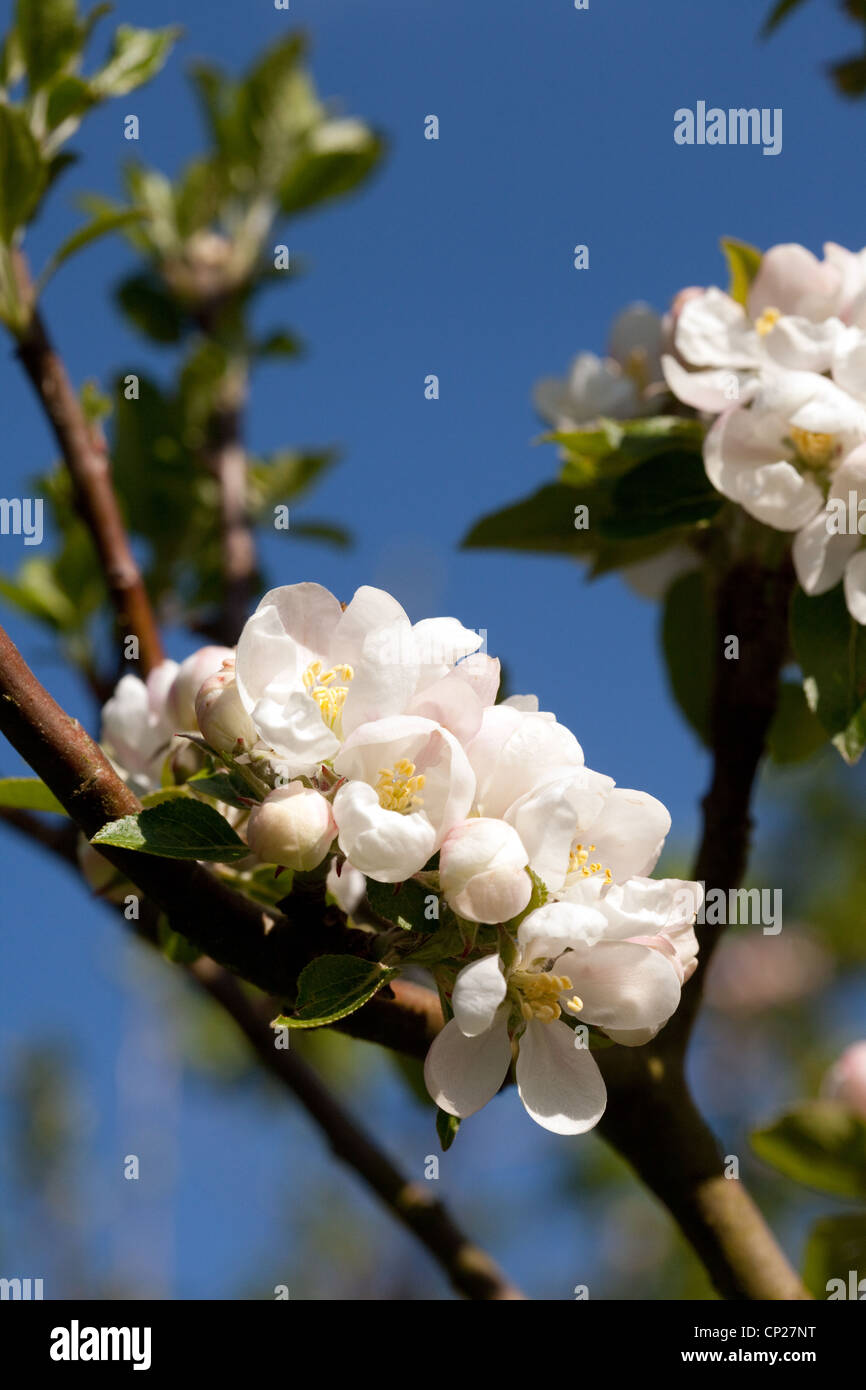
x: 294, y: 826
x: 846, y: 1079
x: 191, y: 675
x: 482, y: 870
x: 221, y: 717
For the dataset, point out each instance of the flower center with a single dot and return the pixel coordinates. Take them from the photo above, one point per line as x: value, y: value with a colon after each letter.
x: 539, y: 992
x: 816, y: 450
x: 329, y: 697
x: 399, y: 786
x: 579, y: 863
x: 767, y: 320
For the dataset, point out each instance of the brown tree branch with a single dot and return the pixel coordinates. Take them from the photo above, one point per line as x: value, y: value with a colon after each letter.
x: 84, y: 450
x: 226, y: 458
x: 654, y: 1126
x: 470, y: 1269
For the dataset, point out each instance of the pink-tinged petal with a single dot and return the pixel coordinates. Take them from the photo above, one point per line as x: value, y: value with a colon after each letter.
x: 516, y: 751
x: 385, y: 845
x: 482, y: 870
x: 713, y: 331
x: 649, y: 906
x: 621, y: 985
x: 451, y: 702
x: 560, y: 1084
x: 462, y: 1074
x: 482, y: 673
x: 793, y: 280
x: 855, y: 587
x: 478, y: 992
x: 629, y: 833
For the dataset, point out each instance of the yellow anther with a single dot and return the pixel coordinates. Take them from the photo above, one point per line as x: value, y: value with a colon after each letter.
x: 767, y: 320
x: 539, y: 993
x: 575, y: 1004
x: 814, y: 449
x: 399, y: 787
x: 330, y: 698
x: 578, y: 863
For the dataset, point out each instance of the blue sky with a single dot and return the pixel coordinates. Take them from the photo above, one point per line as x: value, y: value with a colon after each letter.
x: 556, y: 128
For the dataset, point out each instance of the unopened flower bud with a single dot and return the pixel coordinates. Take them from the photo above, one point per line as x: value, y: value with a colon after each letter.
x: 846, y: 1080
x: 221, y: 717
x: 293, y: 826
x: 191, y: 675
x: 482, y: 870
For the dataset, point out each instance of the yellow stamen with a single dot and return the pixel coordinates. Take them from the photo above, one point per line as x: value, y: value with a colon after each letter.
x: 398, y: 787
x: 539, y: 993
x: 330, y: 698
x: 575, y: 1004
x: 766, y: 321
x: 814, y: 449
x: 578, y: 862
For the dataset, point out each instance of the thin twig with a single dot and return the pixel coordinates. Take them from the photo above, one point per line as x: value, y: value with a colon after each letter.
x: 83, y: 447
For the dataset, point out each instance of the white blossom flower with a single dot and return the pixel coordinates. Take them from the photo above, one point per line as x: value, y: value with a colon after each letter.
x: 137, y: 727
x: 408, y: 781
x: 773, y: 455
x: 567, y: 967
x: 294, y: 826
x: 310, y: 672
x: 482, y: 870
x: 613, y: 386
x: 827, y: 549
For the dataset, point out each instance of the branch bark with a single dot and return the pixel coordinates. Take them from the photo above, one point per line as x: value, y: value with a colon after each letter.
x: 226, y: 458
x: 83, y: 447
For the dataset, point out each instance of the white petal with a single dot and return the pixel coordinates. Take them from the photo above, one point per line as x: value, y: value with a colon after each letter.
x: 621, y: 985
x: 713, y: 331
x: 550, y: 819
x: 793, y: 280
x: 855, y: 587
x: 369, y: 609
x: 740, y: 462
x: 559, y: 1084
x: 649, y: 905
x: 461, y: 1073
x: 820, y: 556
x: 551, y: 929
x: 629, y: 833
x: 802, y: 345
x: 478, y: 992
x: 295, y: 729
x: 714, y: 390
x: 385, y: 675
x: 451, y: 702
x: 385, y: 845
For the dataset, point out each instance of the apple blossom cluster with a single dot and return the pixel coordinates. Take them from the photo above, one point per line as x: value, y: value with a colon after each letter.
x: 382, y: 755
x: 785, y: 378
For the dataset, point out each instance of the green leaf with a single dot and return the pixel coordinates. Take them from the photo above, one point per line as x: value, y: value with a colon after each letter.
x: 664, y: 492
x: 222, y: 786
x: 744, y: 262
x: 28, y: 794
x: 178, y: 829
x: 446, y: 1127
x: 821, y: 1144
x: 836, y: 1246
x: 331, y: 987
x: 23, y: 172
x: 136, y: 56
x: 403, y: 904
x: 50, y: 34
x: 831, y: 650
x: 151, y: 308
x: 68, y: 99
x: 688, y: 641
x: 92, y: 231
x: 174, y: 945
x: 795, y: 734
x: 544, y: 521
x: 321, y: 174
